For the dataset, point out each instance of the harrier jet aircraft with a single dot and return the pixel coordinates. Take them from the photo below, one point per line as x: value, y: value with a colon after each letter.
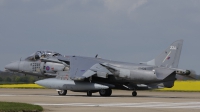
x: 87, y: 74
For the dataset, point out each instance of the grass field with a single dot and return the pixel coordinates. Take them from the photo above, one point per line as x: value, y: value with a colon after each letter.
x: 19, y: 107
x: 178, y: 86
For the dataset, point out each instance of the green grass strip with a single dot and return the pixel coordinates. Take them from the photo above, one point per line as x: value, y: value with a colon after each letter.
x: 19, y: 107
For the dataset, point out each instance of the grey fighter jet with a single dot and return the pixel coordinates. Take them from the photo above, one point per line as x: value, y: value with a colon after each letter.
x: 87, y: 74
x: 41, y: 64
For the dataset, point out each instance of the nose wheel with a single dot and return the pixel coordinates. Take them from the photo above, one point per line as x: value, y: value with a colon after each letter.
x: 62, y: 92
x: 134, y: 93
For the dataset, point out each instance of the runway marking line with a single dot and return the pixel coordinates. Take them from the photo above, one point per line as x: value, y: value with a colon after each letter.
x: 185, y: 105
x: 6, y: 95
x: 57, y: 96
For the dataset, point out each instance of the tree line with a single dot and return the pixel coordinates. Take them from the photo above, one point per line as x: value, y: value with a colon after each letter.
x: 6, y: 78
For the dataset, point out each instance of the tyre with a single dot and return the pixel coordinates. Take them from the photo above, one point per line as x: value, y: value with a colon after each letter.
x: 62, y: 92
x: 134, y: 93
x: 105, y: 92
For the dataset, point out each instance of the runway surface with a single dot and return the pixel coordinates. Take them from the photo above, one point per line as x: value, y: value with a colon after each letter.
x: 148, y: 101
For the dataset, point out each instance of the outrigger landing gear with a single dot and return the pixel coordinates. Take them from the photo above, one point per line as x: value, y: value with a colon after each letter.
x: 89, y: 93
x: 134, y: 93
x: 105, y: 92
x: 62, y: 92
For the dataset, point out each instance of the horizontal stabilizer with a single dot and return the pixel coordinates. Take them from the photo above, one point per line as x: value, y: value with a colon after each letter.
x: 187, y: 73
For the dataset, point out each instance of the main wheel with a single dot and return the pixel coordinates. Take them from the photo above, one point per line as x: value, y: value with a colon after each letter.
x: 109, y: 92
x: 105, y: 92
x: 134, y: 93
x: 62, y: 92
x: 89, y: 93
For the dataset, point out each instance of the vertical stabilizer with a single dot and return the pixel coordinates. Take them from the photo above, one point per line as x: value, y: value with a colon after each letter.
x: 170, y: 57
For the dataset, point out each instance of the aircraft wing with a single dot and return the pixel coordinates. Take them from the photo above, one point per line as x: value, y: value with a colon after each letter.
x: 84, y: 67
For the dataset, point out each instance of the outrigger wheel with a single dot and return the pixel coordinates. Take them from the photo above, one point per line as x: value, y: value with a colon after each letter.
x: 134, y: 93
x: 62, y: 92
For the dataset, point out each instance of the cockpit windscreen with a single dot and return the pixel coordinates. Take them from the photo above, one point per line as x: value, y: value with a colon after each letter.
x: 42, y: 54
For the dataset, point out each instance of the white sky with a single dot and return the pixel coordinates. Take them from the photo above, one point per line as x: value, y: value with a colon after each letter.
x: 122, y: 30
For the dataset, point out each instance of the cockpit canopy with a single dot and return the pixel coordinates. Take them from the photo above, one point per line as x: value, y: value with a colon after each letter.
x: 42, y: 54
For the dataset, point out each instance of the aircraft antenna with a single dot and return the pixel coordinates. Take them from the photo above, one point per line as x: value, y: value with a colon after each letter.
x: 96, y: 56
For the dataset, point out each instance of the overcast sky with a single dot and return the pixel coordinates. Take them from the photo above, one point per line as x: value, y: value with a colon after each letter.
x: 122, y: 30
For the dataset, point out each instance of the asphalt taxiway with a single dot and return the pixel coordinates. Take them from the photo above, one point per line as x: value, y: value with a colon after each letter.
x: 146, y: 101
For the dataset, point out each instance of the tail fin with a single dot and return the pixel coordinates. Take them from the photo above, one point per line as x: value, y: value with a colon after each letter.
x: 170, y: 57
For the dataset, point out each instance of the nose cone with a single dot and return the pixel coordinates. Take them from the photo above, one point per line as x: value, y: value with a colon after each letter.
x: 41, y: 83
x: 13, y: 66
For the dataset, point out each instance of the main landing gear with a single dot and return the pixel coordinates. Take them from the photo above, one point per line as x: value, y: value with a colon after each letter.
x: 62, y: 92
x: 102, y: 92
x: 105, y: 92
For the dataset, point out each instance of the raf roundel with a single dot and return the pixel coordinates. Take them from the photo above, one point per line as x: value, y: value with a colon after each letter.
x: 47, y: 68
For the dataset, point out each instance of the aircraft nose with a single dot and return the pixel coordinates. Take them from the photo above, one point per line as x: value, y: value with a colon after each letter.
x: 41, y: 83
x: 38, y: 82
x: 12, y: 66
